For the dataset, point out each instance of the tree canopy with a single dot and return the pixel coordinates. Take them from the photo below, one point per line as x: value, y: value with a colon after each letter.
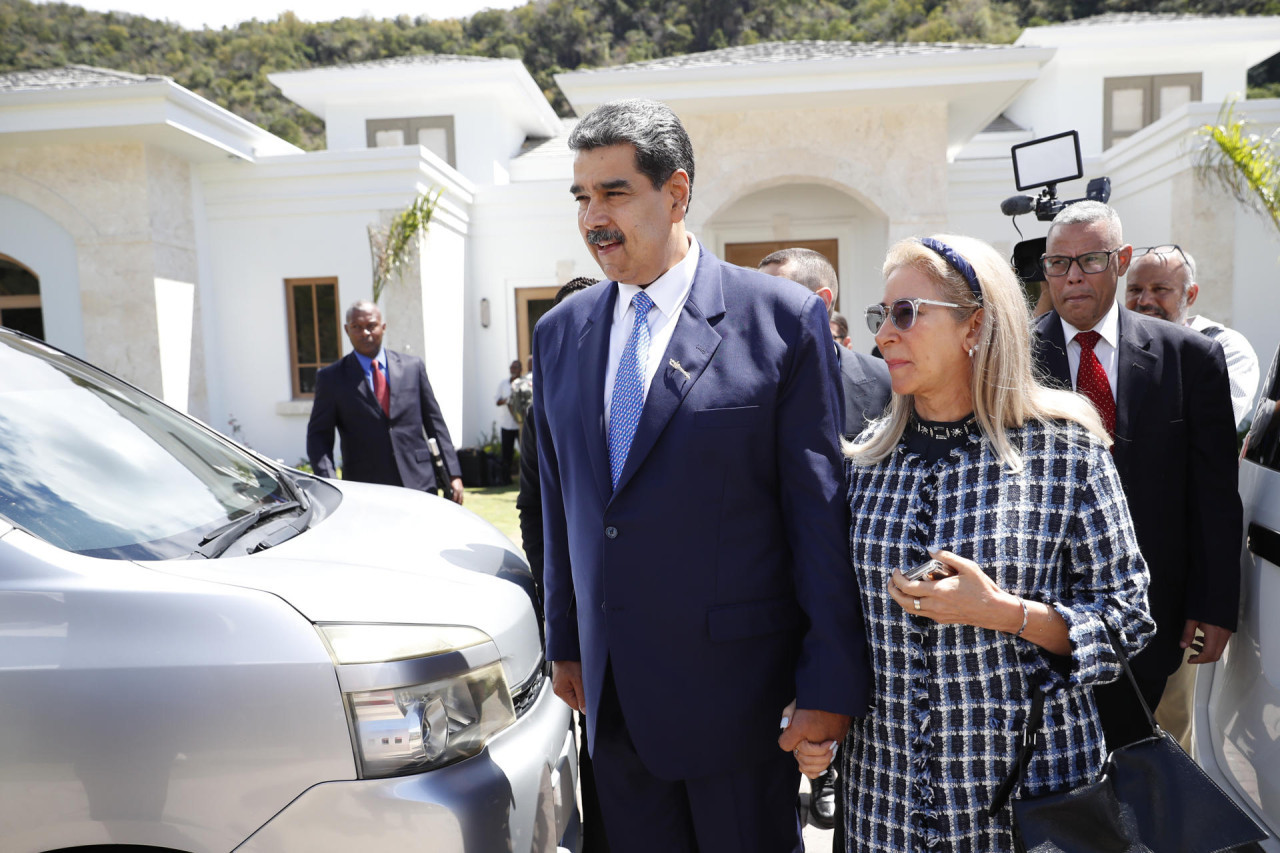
x: 229, y: 66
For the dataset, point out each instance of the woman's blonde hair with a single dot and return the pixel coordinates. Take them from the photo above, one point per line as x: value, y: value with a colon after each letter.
x: 1006, y: 392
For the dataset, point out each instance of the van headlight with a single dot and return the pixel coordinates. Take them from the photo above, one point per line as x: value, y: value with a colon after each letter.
x: 418, y: 697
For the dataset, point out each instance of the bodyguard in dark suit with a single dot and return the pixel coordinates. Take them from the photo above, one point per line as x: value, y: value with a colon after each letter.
x: 382, y: 406
x: 1164, y: 392
x: 864, y: 379
x: 696, y: 573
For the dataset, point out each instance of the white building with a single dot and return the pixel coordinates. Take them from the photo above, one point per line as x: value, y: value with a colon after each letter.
x: 209, y: 262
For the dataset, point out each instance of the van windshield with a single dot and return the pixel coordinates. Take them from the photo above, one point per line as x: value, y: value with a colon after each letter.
x: 94, y: 466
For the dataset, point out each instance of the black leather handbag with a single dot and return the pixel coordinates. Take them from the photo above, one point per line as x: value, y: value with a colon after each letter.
x: 1151, y: 798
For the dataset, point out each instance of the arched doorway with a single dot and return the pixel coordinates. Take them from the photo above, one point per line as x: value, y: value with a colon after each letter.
x: 20, y: 307
x: 798, y: 212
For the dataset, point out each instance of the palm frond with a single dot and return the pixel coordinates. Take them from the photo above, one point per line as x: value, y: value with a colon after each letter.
x: 1244, y: 163
x: 391, y: 245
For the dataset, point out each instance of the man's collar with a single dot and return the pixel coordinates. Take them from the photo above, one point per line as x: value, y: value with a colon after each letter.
x: 367, y: 363
x: 668, y: 290
x: 1108, y: 327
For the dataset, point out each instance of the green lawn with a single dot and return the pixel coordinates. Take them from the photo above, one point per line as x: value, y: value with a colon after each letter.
x: 496, y: 505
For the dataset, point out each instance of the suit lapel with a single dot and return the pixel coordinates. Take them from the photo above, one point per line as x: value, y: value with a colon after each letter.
x: 1053, y: 350
x: 693, y: 343
x: 356, y: 377
x: 1135, y: 368
x: 395, y: 382
x: 593, y: 360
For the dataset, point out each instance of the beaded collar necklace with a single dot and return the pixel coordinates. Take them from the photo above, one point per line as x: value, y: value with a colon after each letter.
x: 943, y: 431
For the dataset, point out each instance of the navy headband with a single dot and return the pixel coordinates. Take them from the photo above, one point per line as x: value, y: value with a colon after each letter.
x: 957, y: 262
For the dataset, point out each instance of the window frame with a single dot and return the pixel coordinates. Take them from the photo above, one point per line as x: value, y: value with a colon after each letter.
x: 411, y: 125
x: 295, y: 367
x: 1150, y: 84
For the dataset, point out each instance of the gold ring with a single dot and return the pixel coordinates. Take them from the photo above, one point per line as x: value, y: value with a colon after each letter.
x: 917, y: 605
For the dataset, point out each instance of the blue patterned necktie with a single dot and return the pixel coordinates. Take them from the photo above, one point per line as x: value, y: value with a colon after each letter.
x: 628, y: 387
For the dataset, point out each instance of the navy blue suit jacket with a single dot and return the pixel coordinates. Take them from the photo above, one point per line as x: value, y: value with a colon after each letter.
x: 377, y: 449
x: 716, y: 578
x: 1175, y: 452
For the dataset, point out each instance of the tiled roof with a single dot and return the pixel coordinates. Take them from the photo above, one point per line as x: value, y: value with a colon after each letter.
x: 1002, y: 124
x: 803, y: 51
x: 1138, y: 18
x: 541, y: 147
x: 414, y: 59
x: 71, y: 77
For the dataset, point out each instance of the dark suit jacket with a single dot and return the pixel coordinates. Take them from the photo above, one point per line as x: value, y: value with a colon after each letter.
x: 715, y: 579
x: 375, y: 448
x: 529, y: 500
x: 865, y: 382
x: 1175, y: 453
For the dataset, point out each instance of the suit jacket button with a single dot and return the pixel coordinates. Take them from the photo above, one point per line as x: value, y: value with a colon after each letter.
x: 611, y: 532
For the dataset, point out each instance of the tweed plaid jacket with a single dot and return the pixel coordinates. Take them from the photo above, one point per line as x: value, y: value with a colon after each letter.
x: 950, y: 700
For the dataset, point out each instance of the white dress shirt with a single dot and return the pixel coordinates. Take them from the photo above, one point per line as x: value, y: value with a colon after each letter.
x: 669, y: 292
x: 1243, y: 370
x: 1105, y: 349
x: 506, y: 420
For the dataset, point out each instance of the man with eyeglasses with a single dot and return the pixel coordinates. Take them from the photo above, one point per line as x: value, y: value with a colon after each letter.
x: 1162, y: 391
x: 1162, y: 283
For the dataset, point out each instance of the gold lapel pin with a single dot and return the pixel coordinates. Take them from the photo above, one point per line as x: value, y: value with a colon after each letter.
x: 675, y: 364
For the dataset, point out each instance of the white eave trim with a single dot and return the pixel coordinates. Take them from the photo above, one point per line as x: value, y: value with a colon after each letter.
x: 316, y: 87
x: 160, y: 102
x: 817, y: 75
x: 1198, y: 33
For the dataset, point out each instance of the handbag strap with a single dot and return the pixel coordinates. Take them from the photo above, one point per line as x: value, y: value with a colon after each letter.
x: 1124, y: 664
x: 1035, y: 721
x: 1026, y: 747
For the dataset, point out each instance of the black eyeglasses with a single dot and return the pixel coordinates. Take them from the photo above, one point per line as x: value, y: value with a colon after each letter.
x: 901, y: 311
x: 1090, y: 262
x: 1167, y: 249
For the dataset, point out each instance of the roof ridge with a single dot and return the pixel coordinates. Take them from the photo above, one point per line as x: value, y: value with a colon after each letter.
x: 802, y: 50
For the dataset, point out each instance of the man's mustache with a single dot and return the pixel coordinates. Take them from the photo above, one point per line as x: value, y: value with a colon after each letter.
x: 1152, y: 312
x: 604, y: 235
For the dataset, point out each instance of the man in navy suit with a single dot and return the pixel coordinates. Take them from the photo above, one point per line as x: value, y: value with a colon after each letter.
x: 383, y: 408
x: 864, y: 379
x: 1163, y: 391
x: 696, y: 566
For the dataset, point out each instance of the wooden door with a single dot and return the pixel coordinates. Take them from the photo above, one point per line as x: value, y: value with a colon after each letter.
x: 750, y: 254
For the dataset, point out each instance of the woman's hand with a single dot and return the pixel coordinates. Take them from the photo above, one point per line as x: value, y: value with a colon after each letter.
x: 815, y: 758
x: 968, y: 597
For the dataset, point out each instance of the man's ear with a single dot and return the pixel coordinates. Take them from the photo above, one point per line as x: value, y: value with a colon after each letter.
x: 678, y: 188
x: 1123, y: 258
x: 825, y: 294
x: 1193, y: 290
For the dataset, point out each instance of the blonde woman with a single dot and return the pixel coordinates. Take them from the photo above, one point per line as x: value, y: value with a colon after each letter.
x: 1010, y: 486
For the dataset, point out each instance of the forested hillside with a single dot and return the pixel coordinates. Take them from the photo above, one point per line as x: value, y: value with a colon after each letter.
x: 229, y: 66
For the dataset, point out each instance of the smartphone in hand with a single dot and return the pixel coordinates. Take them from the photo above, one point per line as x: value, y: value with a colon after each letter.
x: 930, y: 570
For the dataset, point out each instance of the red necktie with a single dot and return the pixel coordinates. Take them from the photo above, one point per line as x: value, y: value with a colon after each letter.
x: 1091, y: 381
x: 381, y: 391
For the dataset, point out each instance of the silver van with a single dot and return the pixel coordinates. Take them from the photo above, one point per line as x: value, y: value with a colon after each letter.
x: 202, y: 651
x: 1237, y: 704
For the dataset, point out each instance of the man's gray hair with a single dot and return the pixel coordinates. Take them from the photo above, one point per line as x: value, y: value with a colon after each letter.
x: 810, y: 268
x: 661, y: 143
x: 363, y: 305
x: 1087, y: 213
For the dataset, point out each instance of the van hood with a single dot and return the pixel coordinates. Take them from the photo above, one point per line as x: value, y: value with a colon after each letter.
x: 391, y: 555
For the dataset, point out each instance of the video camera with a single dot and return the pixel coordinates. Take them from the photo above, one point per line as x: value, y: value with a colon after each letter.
x: 1046, y: 162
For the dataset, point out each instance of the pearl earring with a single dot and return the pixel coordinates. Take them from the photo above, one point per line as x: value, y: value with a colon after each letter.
x: 972, y: 350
